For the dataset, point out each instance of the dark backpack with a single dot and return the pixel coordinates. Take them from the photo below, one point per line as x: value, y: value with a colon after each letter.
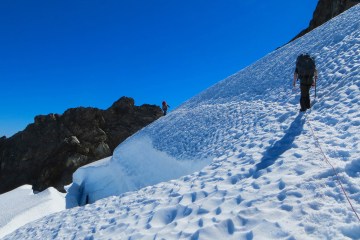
x: 305, y: 66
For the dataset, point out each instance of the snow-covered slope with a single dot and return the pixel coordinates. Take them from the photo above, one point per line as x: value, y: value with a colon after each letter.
x: 260, y: 169
x: 21, y: 206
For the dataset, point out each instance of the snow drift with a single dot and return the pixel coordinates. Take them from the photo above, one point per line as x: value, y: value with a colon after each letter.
x: 264, y: 176
x: 21, y: 206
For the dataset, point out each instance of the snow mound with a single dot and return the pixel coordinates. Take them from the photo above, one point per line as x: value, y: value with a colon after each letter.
x: 21, y: 206
x: 265, y: 177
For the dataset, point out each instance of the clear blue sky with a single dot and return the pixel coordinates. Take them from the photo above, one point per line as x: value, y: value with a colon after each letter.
x: 56, y: 55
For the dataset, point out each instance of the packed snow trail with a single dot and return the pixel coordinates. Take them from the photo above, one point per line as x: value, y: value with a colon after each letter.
x: 264, y: 179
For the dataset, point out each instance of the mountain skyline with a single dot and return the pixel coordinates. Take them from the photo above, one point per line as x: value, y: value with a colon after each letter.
x: 271, y: 172
x: 56, y: 56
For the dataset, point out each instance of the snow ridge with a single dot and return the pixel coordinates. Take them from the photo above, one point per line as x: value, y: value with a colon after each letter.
x: 21, y: 206
x: 259, y: 174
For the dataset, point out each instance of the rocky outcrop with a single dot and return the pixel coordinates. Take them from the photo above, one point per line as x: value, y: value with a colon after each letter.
x: 326, y: 10
x: 49, y: 150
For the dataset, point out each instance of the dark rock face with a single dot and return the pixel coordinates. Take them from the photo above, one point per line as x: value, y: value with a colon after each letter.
x: 326, y: 10
x: 48, y: 151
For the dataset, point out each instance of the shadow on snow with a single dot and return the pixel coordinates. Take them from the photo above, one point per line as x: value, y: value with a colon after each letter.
x: 284, y: 144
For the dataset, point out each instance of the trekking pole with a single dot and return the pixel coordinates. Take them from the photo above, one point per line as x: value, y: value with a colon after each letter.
x: 317, y: 78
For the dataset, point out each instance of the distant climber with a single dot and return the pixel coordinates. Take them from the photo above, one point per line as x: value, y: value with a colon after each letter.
x: 165, y: 107
x: 305, y: 71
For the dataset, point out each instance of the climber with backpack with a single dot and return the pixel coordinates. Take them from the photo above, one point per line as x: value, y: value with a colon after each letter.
x: 305, y: 71
x: 164, y: 107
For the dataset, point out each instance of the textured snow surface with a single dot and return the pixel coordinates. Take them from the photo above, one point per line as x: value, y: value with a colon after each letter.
x: 259, y: 172
x: 21, y: 206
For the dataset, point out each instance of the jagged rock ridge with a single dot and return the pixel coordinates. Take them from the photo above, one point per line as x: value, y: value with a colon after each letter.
x: 49, y: 150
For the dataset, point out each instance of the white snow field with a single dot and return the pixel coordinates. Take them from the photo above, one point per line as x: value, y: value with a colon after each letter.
x: 21, y: 206
x: 244, y: 163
